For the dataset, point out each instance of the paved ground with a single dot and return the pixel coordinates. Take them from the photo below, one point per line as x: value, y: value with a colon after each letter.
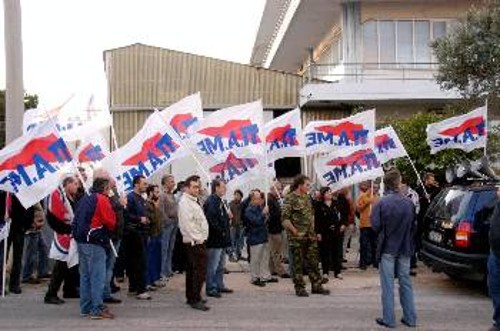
x: 442, y: 305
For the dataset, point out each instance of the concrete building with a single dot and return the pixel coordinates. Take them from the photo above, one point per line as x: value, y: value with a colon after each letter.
x: 373, y: 53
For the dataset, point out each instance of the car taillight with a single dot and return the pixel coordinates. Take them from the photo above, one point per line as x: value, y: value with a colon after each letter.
x: 462, y: 234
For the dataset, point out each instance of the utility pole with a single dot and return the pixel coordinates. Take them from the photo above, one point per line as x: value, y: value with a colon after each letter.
x: 14, y: 94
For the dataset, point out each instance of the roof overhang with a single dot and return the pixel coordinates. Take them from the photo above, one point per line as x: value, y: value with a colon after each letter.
x: 289, y: 28
x: 375, y: 91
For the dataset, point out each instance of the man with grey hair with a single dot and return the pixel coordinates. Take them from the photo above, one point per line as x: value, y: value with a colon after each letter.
x: 394, y: 221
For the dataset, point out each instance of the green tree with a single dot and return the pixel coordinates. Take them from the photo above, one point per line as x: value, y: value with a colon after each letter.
x: 469, y: 57
x: 30, y: 101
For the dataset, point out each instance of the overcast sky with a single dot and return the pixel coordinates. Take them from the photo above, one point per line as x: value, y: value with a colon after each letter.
x: 63, y: 40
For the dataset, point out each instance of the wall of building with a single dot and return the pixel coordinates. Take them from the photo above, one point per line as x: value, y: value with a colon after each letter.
x: 450, y: 9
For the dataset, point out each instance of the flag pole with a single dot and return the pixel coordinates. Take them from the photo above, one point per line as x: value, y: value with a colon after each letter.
x: 4, y: 263
x: 418, y: 178
x: 486, y: 124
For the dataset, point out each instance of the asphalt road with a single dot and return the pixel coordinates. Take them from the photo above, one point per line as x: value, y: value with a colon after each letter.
x: 442, y: 304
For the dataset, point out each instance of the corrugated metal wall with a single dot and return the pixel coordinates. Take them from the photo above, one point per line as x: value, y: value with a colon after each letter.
x: 142, y: 77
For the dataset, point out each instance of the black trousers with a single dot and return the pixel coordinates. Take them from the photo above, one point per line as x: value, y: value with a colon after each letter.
x: 368, y: 247
x: 135, y: 250
x: 120, y: 264
x: 196, y: 268
x: 330, y: 251
x: 61, y: 273
x: 179, y: 257
x: 16, y: 243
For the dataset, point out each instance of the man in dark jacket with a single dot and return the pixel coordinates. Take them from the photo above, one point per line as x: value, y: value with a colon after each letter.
x: 257, y: 236
x: 393, y: 220
x: 219, y: 239
x: 494, y: 266
x: 135, y: 239
x: 94, y: 220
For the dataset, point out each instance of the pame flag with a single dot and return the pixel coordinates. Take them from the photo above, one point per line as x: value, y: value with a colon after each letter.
x: 33, y: 164
x: 92, y: 149
x: 284, y: 137
x: 388, y: 146
x: 237, y: 130
x: 347, y: 167
x: 155, y: 146
x: 466, y: 132
x: 234, y: 171
x: 184, y: 114
x: 78, y: 117
x: 327, y: 136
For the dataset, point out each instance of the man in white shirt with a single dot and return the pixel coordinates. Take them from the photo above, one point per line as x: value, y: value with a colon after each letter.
x: 194, y: 230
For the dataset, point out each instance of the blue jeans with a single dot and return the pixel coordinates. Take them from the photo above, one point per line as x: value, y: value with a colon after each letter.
x: 35, y: 255
x: 387, y: 271
x: 92, y: 262
x: 237, y: 242
x: 154, y: 260
x: 110, y: 265
x: 168, y: 236
x: 494, y: 286
x: 216, y: 259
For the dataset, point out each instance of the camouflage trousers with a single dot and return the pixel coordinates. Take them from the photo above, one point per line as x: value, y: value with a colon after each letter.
x: 304, y: 252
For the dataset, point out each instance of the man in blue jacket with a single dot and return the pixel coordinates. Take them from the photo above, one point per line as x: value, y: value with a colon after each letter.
x: 219, y: 238
x: 257, y: 234
x: 393, y: 219
x: 494, y: 266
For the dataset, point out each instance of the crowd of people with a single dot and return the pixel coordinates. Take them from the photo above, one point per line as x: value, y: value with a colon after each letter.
x: 98, y: 237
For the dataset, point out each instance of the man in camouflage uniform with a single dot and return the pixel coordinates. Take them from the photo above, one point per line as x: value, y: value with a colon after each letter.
x: 298, y: 220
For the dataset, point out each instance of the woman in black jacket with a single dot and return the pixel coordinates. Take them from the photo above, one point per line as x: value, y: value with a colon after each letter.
x: 329, y: 231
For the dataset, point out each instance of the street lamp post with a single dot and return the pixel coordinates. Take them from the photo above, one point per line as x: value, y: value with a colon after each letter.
x: 14, y: 95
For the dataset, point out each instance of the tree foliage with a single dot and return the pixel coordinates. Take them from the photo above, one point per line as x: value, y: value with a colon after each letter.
x: 30, y: 101
x: 469, y: 57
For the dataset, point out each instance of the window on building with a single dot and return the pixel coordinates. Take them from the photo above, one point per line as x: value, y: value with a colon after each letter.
x: 401, y: 43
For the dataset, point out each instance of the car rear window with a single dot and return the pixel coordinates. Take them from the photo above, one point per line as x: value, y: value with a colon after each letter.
x: 452, y: 204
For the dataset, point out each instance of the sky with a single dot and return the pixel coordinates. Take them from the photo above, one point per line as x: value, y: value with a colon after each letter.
x: 64, y: 40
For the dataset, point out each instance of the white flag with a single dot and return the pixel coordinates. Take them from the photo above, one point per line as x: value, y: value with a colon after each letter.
x: 284, y: 137
x: 155, y: 146
x: 33, y: 164
x: 466, y: 132
x: 388, y: 146
x: 92, y: 149
x: 184, y: 114
x: 347, y: 167
x: 328, y: 136
x: 78, y: 117
x: 236, y: 130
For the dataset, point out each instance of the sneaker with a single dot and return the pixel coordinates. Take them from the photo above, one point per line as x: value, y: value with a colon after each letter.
x: 404, y: 322
x: 16, y: 290
x: 112, y: 300
x: 151, y: 288
x: 320, y: 290
x: 53, y: 300
x: 226, y: 290
x: 339, y: 276
x: 200, y: 306
x: 301, y: 293
x: 258, y: 282
x: 285, y: 276
x: 143, y: 296
x: 103, y: 315
x: 381, y: 322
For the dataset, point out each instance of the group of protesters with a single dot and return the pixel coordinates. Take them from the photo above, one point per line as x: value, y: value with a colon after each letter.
x: 136, y: 235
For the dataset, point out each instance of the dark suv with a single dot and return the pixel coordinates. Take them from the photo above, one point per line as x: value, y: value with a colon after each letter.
x: 455, y: 231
